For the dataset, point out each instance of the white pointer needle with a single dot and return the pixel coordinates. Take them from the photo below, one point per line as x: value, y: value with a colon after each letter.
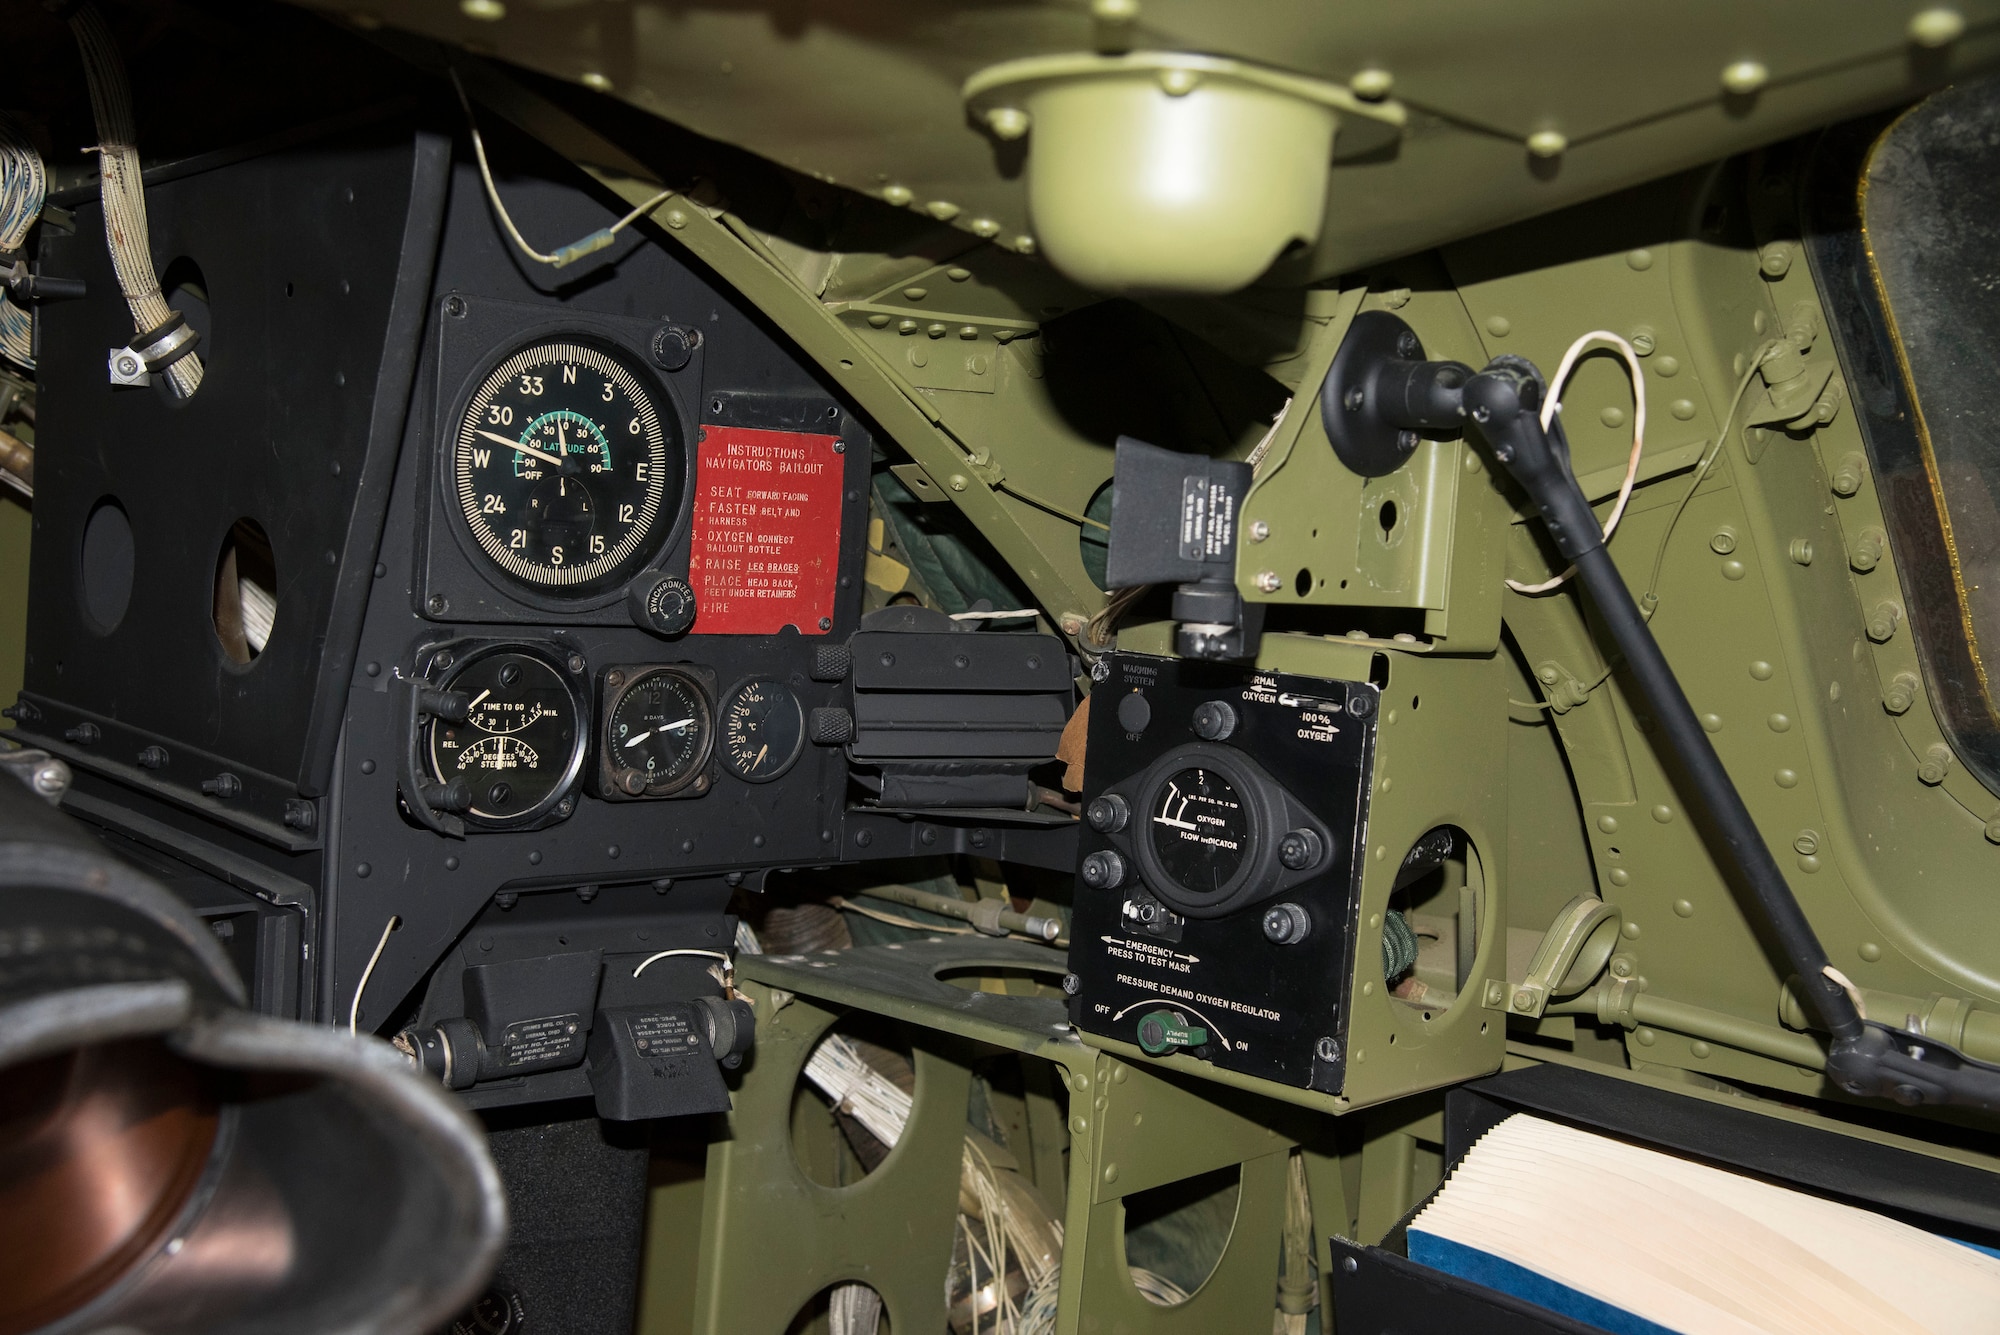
x: 640, y: 738
x: 499, y: 439
x: 675, y: 727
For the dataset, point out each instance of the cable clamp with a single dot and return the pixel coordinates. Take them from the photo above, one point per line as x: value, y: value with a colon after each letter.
x: 165, y: 343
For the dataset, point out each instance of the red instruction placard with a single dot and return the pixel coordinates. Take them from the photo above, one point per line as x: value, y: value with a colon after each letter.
x: 766, y: 541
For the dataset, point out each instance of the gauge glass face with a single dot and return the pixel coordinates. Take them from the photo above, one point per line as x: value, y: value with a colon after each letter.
x: 659, y: 732
x: 1200, y: 831
x: 567, y: 465
x: 520, y: 745
x: 763, y: 727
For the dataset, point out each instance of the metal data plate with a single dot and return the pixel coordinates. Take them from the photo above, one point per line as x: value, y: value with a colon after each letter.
x: 1275, y: 1011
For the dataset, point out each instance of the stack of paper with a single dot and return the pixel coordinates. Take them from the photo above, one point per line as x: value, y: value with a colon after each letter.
x: 1634, y: 1240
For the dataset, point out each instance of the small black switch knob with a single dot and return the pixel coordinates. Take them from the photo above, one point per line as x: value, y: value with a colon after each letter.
x: 830, y: 727
x: 673, y: 346
x: 451, y: 706
x: 1301, y: 848
x: 1286, y: 924
x: 664, y: 606
x: 1103, y: 870
x: 1214, y: 720
x: 1108, y: 813
x: 832, y: 662
x: 1134, y: 712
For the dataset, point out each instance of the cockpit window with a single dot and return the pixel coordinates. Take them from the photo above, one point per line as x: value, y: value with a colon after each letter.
x: 1911, y: 278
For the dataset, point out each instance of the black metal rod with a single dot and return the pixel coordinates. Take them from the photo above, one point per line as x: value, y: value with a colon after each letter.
x: 1502, y: 403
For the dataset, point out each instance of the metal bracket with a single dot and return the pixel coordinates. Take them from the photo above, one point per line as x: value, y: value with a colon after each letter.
x: 1573, y: 952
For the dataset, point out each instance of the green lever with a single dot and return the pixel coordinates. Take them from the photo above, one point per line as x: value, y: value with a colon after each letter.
x: 1163, y: 1031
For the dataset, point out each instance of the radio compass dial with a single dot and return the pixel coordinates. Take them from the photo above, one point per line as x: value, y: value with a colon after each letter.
x: 567, y: 463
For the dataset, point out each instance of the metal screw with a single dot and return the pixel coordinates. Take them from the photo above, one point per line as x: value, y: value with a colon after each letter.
x: 436, y: 605
x: 826, y: 623
x: 1801, y: 551
x: 1643, y: 342
x: 1724, y: 541
x: 1072, y: 984
x: 52, y: 778
x: 1259, y: 530
x: 1900, y: 693
x: 1882, y: 622
x: 1407, y: 345
x: 840, y: 447
x: 1622, y: 968
x: 1524, y: 1000
x: 576, y: 663
x: 1354, y: 398
x: 1268, y: 581
x: 1327, y: 1049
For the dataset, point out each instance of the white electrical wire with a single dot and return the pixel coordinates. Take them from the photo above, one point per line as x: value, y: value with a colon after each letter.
x: 995, y: 616
x: 24, y: 186
x: 122, y: 189
x: 664, y: 954
x: 1553, y: 403
x: 354, y: 1011
x: 563, y: 255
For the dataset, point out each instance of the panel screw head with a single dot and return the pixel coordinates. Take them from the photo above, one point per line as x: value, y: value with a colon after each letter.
x: 1071, y: 984
x: 1327, y: 1049
x: 1524, y: 1000
x: 455, y: 307
x: 436, y: 605
x: 1268, y: 581
x: 1259, y: 530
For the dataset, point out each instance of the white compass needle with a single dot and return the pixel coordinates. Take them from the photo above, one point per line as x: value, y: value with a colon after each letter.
x: 513, y: 444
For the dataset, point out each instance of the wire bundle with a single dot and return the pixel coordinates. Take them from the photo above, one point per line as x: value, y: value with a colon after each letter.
x: 23, y: 187
x: 121, y: 188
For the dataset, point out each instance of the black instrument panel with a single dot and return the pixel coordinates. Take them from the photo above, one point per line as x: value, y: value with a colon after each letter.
x: 1219, y: 870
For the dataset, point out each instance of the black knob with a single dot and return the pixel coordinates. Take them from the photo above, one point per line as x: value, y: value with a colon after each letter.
x: 830, y: 727
x: 1214, y: 720
x: 451, y: 706
x: 1301, y: 848
x: 664, y: 606
x: 1108, y: 813
x: 832, y: 662
x: 674, y: 345
x: 1103, y: 870
x: 454, y: 796
x: 1286, y: 924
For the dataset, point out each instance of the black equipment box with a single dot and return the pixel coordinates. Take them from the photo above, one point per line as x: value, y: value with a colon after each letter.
x: 1219, y: 867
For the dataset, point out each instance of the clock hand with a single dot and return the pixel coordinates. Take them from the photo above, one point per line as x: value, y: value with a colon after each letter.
x: 675, y: 727
x: 640, y: 738
x: 512, y: 444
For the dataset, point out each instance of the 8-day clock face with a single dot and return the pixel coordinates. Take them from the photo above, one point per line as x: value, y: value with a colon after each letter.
x: 567, y: 464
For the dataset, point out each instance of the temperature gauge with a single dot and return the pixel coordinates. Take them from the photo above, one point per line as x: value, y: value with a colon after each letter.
x: 522, y: 741
x: 763, y: 727
x: 658, y: 733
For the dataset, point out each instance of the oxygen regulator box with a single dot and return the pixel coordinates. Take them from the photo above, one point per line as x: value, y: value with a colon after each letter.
x: 1220, y: 864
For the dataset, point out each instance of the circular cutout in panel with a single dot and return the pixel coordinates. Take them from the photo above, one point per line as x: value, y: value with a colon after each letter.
x: 1175, y: 1234
x: 853, y: 1100
x: 186, y: 291
x: 1437, y: 912
x: 847, y: 1306
x: 245, y: 605
x: 106, y: 566
x: 1093, y: 540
